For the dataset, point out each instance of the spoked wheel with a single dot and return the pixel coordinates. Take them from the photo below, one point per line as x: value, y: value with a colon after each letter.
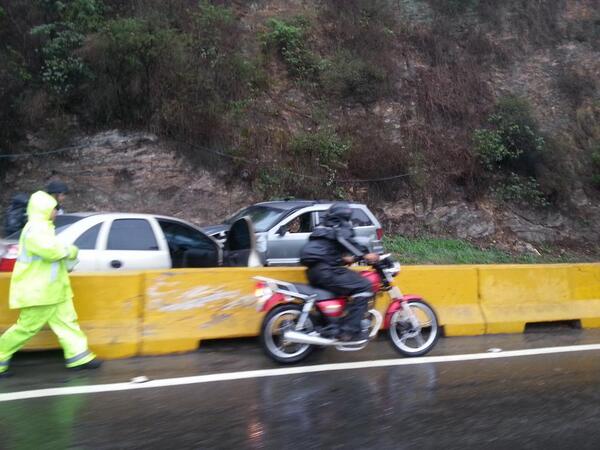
x: 278, y: 321
x: 411, y: 340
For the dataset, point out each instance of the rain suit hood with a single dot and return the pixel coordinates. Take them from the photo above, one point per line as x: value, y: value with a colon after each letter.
x: 40, y: 207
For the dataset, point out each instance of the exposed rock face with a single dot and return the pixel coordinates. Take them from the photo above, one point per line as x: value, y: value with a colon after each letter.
x: 464, y: 220
x: 129, y: 172
x: 482, y: 222
x: 136, y: 172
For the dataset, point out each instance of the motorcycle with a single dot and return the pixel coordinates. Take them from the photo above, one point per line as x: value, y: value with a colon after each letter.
x: 299, y: 317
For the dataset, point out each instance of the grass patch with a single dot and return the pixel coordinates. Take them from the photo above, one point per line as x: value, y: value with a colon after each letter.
x: 453, y: 251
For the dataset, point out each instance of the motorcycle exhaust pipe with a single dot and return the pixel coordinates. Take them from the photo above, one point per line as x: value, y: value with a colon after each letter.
x: 303, y: 338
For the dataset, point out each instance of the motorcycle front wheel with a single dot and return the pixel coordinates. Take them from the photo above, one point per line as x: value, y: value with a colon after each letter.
x: 411, y: 340
x: 276, y: 322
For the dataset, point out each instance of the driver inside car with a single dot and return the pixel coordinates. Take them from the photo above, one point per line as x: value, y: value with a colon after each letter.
x: 331, y: 247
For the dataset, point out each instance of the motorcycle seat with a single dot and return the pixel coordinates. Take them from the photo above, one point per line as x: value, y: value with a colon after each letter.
x: 321, y: 294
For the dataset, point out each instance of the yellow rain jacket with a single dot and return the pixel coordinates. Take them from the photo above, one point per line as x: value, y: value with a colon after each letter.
x: 40, y: 276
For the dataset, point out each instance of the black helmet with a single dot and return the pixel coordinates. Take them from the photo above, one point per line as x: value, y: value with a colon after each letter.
x: 57, y: 187
x: 340, y: 211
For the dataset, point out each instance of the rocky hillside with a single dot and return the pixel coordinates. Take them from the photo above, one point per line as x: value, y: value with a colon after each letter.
x: 449, y: 117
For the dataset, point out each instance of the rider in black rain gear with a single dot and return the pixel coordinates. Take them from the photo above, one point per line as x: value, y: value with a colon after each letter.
x: 331, y: 246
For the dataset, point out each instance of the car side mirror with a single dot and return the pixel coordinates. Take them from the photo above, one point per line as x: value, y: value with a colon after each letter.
x: 282, y: 230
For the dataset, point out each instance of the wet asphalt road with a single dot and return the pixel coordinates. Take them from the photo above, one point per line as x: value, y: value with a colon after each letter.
x: 541, y: 401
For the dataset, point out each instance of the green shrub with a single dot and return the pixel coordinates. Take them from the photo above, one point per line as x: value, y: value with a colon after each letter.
x: 349, y: 76
x: 289, y: 39
x: 490, y: 148
x: 509, y: 151
x: 513, y: 141
x: 520, y: 190
x: 270, y: 183
x: 62, y: 69
x: 324, y: 147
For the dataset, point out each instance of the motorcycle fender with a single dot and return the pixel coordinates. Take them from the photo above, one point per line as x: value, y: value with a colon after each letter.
x: 276, y: 299
x: 395, y: 306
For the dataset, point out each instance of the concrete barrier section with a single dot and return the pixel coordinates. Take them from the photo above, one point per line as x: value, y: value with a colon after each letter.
x: 109, y: 309
x: 452, y: 291
x: 513, y: 295
x: 584, y: 281
x: 185, y: 306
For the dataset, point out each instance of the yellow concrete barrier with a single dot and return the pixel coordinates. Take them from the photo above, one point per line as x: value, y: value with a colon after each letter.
x: 513, y: 295
x: 185, y: 306
x: 109, y: 308
x: 452, y: 291
x: 584, y: 281
x: 159, y: 312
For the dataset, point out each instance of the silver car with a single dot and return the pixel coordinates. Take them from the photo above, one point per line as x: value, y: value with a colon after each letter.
x: 283, y: 227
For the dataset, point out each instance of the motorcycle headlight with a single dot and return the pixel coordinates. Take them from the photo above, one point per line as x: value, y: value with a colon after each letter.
x: 393, y: 270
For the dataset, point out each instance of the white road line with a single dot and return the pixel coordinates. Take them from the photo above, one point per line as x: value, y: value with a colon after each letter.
x: 167, y: 382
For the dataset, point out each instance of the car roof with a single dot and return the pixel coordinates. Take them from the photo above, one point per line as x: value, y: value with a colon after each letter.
x: 295, y: 204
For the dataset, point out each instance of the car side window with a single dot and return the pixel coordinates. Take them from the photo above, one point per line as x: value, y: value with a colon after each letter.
x: 131, y: 234
x: 359, y: 218
x: 87, y: 240
x: 181, y: 235
x: 300, y: 224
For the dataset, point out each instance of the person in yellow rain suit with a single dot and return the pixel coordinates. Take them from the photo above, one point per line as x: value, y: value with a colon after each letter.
x: 41, y: 289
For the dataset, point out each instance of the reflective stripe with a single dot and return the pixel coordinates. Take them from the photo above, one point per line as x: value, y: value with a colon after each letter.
x: 23, y: 257
x: 362, y: 294
x: 3, y: 363
x: 54, y: 270
x: 78, y: 357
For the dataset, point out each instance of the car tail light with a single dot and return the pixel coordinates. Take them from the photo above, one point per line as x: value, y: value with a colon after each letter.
x: 379, y: 233
x: 8, y: 259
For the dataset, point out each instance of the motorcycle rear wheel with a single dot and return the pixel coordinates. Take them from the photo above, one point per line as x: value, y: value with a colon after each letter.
x: 410, y: 341
x: 275, y: 323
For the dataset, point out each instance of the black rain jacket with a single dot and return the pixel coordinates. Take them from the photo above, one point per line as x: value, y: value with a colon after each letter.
x: 329, y: 242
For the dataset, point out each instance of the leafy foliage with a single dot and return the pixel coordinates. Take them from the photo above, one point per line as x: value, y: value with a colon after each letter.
x: 289, y: 39
x: 63, y: 69
x: 512, y: 144
x: 521, y: 190
x: 324, y: 147
x: 513, y: 138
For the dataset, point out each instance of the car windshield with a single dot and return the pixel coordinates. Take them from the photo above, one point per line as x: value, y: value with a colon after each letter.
x: 61, y: 223
x: 263, y: 217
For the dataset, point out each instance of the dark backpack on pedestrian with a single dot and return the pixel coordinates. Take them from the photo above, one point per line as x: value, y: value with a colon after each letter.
x: 16, y: 214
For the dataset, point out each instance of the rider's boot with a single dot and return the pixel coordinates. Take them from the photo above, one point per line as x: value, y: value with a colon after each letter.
x: 355, y: 312
x: 330, y: 331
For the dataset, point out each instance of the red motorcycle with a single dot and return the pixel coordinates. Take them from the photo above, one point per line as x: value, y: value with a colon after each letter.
x: 297, y: 314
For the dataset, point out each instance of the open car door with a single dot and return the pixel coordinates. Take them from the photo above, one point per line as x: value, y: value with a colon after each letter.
x: 240, y: 246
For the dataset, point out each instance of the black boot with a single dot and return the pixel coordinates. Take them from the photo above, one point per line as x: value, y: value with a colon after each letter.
x: 93, y: 364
